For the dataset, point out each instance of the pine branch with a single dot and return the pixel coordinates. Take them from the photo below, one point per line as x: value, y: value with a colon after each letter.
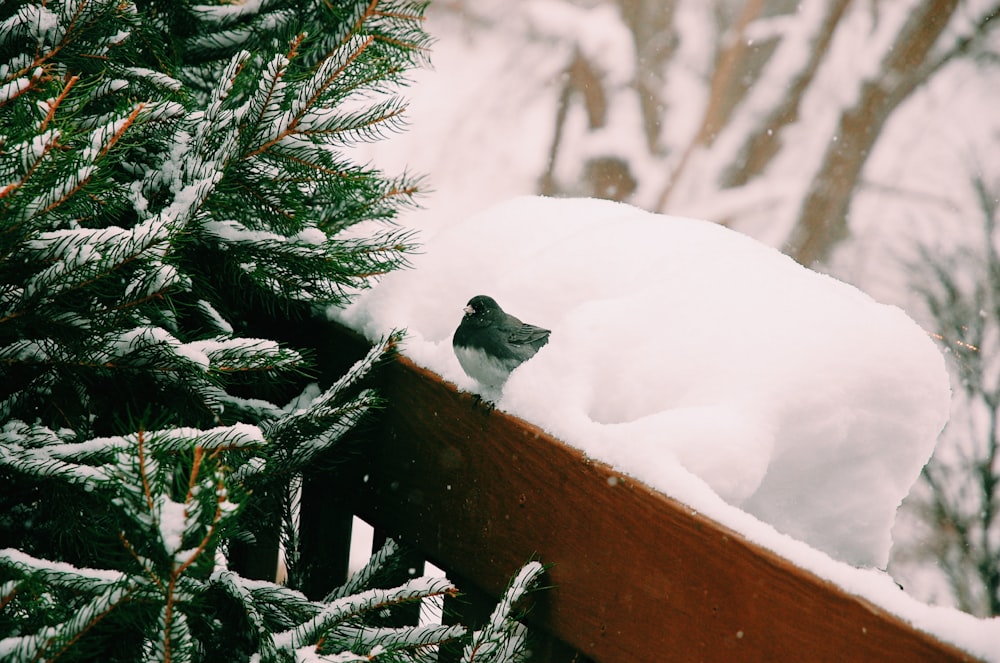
x: 348, y: 607
x: 54, y: 642
x: 372, y: 568
x: 279, y: 126
x: 143, y: 467
x: 266, y: 104
x: 502, y: 637
x: 22, y: 565
x: 352, y: 127
x: 38, y: 462
x: 300, y: 437
x: 41, y: 146
x: 235, y: 587
x: 54, y: 104
x: 386, y: 641
x: 80, y: 257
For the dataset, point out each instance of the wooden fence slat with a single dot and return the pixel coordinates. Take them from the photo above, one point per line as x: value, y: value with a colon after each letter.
x: 325, y: 524
x: 636, y: 576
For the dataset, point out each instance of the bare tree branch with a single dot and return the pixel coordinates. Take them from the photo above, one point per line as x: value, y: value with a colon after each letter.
x: 822, y: 218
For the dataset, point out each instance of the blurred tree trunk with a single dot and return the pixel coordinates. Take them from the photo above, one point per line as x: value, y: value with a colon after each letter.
x: 728, y: 85
x: 583, y: 80
x: 651, y: 24
x: 763, y: 143
x: 822, y: 219
x: 742, y: 132
x: 759, y: 114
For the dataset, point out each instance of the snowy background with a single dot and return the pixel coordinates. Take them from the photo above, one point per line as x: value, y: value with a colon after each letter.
x: 498, y: 116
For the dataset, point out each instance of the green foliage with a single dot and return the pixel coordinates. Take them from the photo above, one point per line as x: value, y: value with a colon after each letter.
x: 502, y: 638
x: 146, y: 212
x: 175, y: 180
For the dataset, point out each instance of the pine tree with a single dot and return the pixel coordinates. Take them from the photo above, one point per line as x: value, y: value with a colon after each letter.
x: 174, y: 180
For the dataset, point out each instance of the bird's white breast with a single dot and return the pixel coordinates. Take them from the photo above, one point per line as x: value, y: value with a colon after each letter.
x: 488, y: 371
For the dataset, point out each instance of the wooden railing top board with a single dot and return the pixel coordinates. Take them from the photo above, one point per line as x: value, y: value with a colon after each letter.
x: 635, y: 575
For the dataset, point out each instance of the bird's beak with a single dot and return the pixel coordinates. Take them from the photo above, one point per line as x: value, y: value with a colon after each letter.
x: 469, y: 310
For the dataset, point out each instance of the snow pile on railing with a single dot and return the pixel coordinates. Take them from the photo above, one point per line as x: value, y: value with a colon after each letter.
x: 686, y: 354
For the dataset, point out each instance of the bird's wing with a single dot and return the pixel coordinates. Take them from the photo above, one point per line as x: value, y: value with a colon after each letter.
x: 528, y: 334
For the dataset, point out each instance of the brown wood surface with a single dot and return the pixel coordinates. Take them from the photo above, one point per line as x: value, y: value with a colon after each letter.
x: 636, y: 576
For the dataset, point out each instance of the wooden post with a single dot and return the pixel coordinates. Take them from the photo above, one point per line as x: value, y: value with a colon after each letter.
x: 325, y: 521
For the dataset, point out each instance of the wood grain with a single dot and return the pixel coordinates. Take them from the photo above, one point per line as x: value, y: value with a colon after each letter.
x: 635, y: 575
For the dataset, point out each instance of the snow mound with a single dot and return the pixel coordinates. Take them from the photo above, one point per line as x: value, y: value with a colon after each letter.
x: 686, y: 355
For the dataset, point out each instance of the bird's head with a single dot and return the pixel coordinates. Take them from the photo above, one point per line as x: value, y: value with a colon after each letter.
x: 482, y: 306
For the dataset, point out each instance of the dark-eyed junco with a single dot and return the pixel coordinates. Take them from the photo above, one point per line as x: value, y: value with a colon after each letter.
x: 490, y: 343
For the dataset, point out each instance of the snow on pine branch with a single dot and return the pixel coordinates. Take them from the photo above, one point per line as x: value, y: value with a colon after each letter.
x: 10, y: 295
x: 145, y: 347
x: 164, y: 534
x: 258, y: 616
x: 246, y: 409
x: 32, y: 435
x: 396, y: 24
x: 216, y: 129
x: 242, y: 36
x: 62, y: 574
x: 172, y: 641
x: 381, y: 348
x: 384, y: 641
x: 306, y: 432
x: 28, y: 154
x: 138, y: 472
x: 348, y: 607
x: 275, y: 603
x: 232, y: 355
x: 271, y: 604
x: 40, y: 462
x: 50, y: 643
x: 81, y: 256
x: 309, y: 111
x: 153, y: 279
x: 157, y: 79
x: 363, y: 578
x: 37, y: 22
x: 189, y: 522
x: 236, y: 436
x: 334, y: 38
x: 315, y: 90
x: 91, y: 463
x: 157, y: 350
x: 227, y: 14
x: 266, y: 104
x: 214, y: 318
x: 348, y: 127
x: 221, y: 93
x: 77, y: 265
x: 324, y: 266
x: 13, y: 88
x: 231, y: 231
x: 502, y: 637
x: 316, y: 431
x: 165, y: 441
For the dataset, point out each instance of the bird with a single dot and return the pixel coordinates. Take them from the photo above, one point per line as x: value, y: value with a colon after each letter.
x: 490, y: 343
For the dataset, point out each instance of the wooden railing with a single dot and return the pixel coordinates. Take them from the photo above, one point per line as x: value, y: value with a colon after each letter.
x: 635, y: 576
